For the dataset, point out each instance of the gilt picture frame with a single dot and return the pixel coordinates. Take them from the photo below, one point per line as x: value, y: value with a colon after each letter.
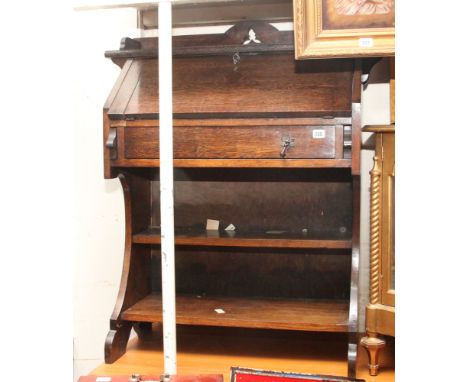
x: 344, y: 28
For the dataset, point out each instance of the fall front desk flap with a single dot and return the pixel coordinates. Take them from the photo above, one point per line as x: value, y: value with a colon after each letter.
x: 224, y: 85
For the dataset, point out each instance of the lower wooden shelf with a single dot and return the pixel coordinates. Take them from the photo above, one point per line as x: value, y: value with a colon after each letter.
x: 266, y: 313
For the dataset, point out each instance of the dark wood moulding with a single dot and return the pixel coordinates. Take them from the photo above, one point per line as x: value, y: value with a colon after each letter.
x: 272, y: 41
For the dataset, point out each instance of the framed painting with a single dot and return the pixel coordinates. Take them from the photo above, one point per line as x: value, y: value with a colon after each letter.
x: 344, y: 28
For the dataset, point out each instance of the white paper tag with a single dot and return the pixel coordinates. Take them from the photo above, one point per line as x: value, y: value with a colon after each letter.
x: 212, y: 225
x: 219, y: 311
x: 366, y: 42
x: 103, y: 379
x: 318, y: 134
x: 230, y: 227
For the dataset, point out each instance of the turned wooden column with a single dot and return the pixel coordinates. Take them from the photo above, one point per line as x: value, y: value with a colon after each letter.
x: 372, y: 343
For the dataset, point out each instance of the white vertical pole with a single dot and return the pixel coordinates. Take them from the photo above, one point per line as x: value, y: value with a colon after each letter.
x: 167, y: 186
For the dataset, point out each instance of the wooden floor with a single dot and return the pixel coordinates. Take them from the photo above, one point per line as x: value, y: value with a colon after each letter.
x: 212, y: 350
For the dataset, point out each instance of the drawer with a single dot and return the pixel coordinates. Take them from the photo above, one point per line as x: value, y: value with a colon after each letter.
x: 237, y: 142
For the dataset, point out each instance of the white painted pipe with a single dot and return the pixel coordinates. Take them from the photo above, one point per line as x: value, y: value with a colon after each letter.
x: 166, y: 174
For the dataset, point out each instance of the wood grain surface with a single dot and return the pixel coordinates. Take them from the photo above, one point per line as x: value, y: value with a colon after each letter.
x: 213, y: 86
x: 315, y: 315
x: 265, y: 142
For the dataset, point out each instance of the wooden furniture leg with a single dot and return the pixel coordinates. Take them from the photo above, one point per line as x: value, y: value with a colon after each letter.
x: 352, y: 357
x: 116, y: 341
x: 144, y: 330
x: 373, y: 344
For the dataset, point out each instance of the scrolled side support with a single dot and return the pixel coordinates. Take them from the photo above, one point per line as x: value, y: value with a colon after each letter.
x: 135, y: 282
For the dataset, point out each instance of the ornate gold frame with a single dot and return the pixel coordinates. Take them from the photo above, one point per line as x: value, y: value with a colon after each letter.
x: 312, y: 41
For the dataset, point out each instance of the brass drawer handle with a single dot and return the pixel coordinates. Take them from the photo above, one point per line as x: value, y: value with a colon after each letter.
x: 287, y: 143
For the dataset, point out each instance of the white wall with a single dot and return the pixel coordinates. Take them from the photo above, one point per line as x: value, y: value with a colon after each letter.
x: 99, y: 202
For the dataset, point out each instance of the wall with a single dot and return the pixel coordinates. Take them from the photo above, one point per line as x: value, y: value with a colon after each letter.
x: 99, y: 202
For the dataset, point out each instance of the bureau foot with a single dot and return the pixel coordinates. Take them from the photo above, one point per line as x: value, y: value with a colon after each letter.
x: 116, y: 341
x: 373, y: 344
x: 352, y: 356
x: 144, y: 330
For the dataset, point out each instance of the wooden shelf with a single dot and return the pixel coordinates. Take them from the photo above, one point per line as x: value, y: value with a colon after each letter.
x: 238, y: 163
x: 289, y: 314
x: 243, y: 239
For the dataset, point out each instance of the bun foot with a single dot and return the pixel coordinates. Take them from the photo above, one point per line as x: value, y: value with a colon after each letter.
x: 373, y: 344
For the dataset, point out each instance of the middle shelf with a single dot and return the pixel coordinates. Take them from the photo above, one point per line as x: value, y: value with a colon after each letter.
x: 267, y: 239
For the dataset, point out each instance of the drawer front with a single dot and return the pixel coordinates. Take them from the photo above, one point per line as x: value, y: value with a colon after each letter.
x: 264, y: 142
